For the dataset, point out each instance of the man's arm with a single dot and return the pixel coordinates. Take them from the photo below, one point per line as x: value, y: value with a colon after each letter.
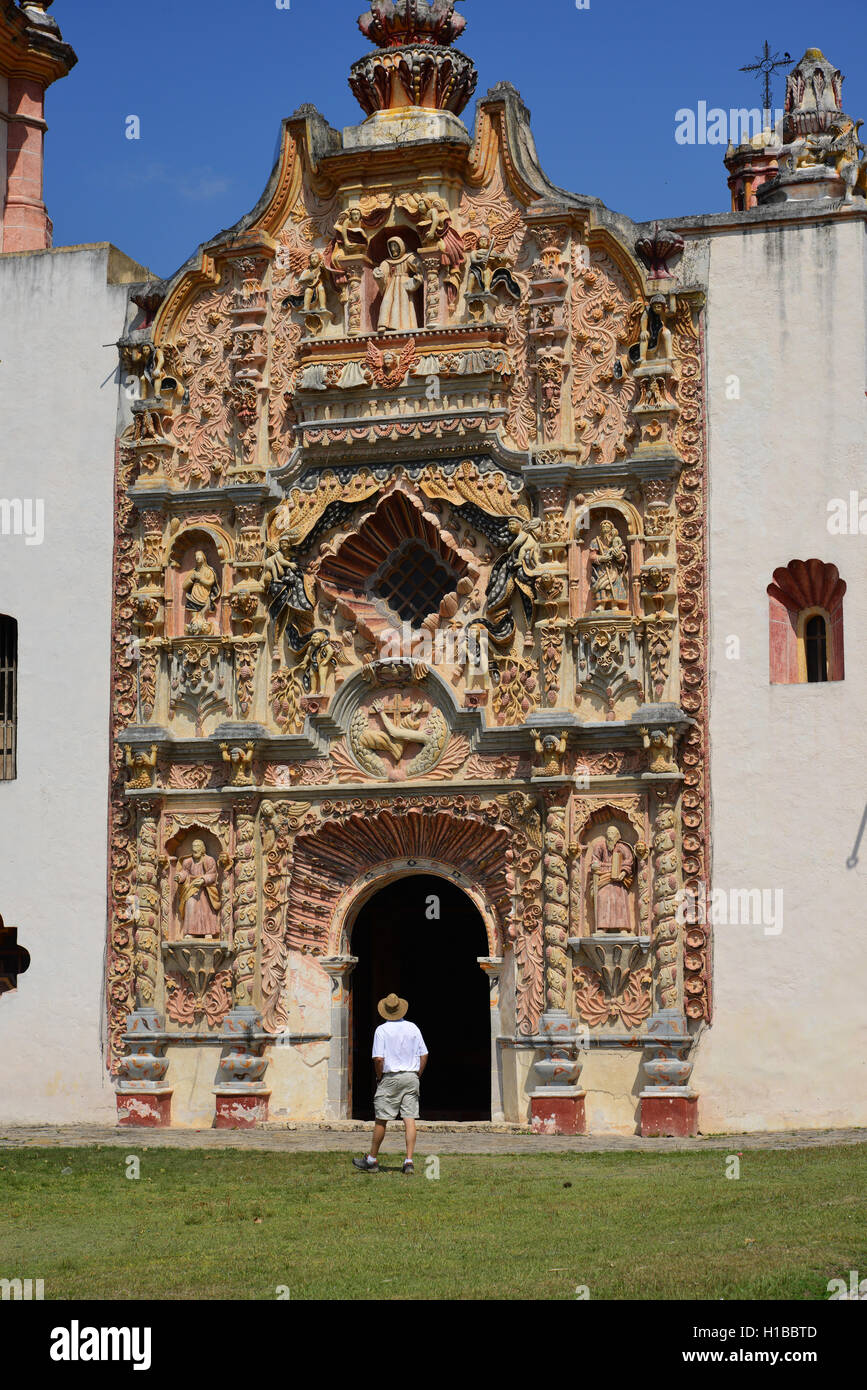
x: 377, y: 1067
x: 422, y: 1063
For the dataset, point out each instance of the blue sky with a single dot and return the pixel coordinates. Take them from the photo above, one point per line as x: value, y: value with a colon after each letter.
x: 211, y: 80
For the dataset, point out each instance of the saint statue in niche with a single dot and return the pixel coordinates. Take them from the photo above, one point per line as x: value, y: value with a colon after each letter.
x: 612, y: 869
x: 198, y: 895
x: 201, y: 590
x: 398, y: 278
x: 609, y: 566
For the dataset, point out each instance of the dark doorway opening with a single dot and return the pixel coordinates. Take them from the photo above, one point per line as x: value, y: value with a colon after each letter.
x: 433, y: 964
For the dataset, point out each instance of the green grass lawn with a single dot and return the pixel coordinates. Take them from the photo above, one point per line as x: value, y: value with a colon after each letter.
x: 236, y: 1224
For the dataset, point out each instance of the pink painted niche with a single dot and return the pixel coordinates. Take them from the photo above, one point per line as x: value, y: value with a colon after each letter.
x: 805, y: 623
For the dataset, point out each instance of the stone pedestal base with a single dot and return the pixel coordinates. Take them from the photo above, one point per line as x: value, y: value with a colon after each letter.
x: 149, y: 1108
x: 241, y: 1111
x: 673, y: 1117
x: 557, y: 1114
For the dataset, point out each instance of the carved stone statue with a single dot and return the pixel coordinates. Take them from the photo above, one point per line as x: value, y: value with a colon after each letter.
x: 551, y: 751
x: 660, y: 746
x: 612, y: 868
x: 240, y: 760
x: 288, y: 589
x: 399, y: 277
x: 514, y: 572
x: 654, y: 339
x: 313, y: 282
x: 350, y: 232
x: 434, y: 222
x: 198, y: 894
x: 488, y: 265
x: 141, y: 767
x: 609, y: 568
x: 201, y: 589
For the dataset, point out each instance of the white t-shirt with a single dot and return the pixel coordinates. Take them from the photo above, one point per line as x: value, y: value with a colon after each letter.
x: 400, y: 1045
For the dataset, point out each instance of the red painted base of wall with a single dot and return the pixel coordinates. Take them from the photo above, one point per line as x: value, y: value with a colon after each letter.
x: 672, y: 1117
x: 557, y: 1114
x: 145, y: 1108
x: 241, y: 1112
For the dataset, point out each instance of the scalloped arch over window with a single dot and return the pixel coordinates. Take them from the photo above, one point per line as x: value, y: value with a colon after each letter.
x: 806, y: 623
x: 399, y: 558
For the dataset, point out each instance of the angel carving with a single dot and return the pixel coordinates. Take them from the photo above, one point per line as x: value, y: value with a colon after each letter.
x: 308, y: 269
x: 353, y: 230
x: 433, y: 219
x: 489, y: 262
x: 389, y: 368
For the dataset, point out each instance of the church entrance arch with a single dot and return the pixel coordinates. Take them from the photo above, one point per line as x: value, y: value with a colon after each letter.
x: 421, y: 936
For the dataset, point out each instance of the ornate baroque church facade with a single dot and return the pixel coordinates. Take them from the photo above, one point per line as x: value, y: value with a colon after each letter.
x: 414, y: 645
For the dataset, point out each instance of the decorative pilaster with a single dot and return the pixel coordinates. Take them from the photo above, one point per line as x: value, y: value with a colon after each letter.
x: 492, y: 966
x: 556, y: 909
x: 338, y: 969
x: 244, y: 905
x: 557, y: 1106
x: 666, y: 883
x: 146, y: 906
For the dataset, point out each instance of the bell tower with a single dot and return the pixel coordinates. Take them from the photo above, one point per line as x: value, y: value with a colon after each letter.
x: 32, y: 56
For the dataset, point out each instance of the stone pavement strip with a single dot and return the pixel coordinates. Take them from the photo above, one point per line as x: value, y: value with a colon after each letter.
x: 439, y: 1138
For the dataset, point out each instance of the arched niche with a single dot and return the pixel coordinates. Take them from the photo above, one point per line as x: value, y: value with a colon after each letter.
x: 620, y: 590
x: 593, y: 846
x: 371, y: 288
x: 195, y: 601
x: 801, y: 591
x: 178, y: 850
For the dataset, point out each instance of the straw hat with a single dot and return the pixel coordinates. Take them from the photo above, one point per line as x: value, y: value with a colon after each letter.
x: 392, y: 1008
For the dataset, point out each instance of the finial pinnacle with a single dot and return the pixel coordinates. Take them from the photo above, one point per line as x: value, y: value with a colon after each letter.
x: 394, y: 23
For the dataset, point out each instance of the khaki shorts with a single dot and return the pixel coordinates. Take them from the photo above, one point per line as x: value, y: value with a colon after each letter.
x: 396, y: 1096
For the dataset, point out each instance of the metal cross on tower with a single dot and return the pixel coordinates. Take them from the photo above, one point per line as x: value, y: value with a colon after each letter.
x: 767, y: 64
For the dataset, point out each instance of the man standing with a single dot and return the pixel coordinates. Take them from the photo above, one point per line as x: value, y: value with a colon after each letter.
x: 399, y: 1058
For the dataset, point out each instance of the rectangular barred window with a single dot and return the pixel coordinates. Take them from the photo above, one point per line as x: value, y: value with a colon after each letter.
x: 8, y: 696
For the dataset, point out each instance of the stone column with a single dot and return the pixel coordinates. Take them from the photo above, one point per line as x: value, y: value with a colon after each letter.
x: 143, y: 1098
x: 668, y: 1106
x: 338, y: 969
x: 557, y: 1106
x: 492, y: 966
x: 245, y: 906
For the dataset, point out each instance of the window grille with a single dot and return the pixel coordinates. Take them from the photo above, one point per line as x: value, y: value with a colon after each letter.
x: 415, y: 582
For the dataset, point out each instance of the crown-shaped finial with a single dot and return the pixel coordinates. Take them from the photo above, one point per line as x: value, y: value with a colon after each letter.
x: 414, y: 65
x: 394, y: 23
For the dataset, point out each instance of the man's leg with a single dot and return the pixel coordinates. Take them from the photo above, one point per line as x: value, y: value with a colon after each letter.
x: 378, y: 1136
x: 410, y: 1127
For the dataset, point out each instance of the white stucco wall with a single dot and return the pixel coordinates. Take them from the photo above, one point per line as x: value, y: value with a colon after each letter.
x: 58, y: 406
x: 786, y: 315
